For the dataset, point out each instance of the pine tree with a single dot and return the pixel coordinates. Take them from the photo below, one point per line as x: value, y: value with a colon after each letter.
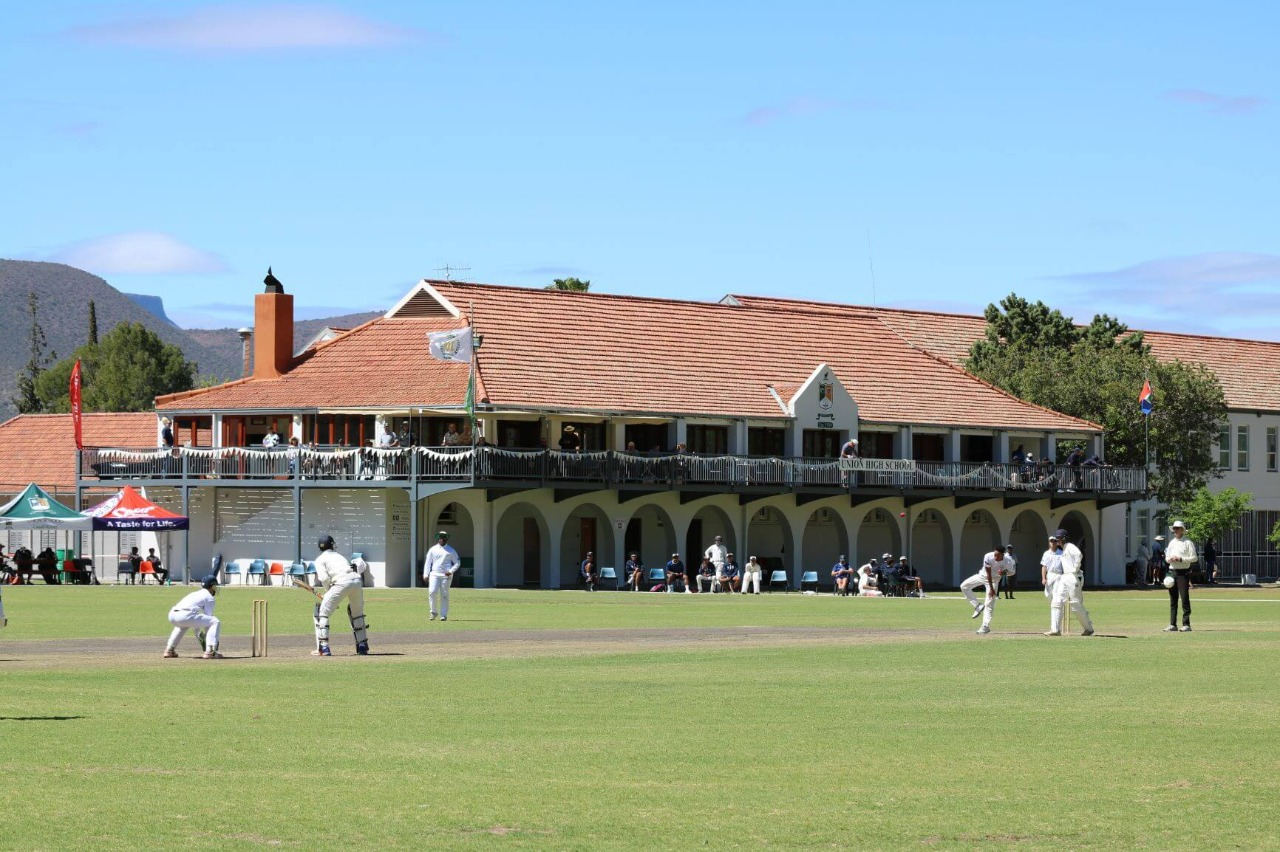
x: 93, y: 323
x: 28, y: 401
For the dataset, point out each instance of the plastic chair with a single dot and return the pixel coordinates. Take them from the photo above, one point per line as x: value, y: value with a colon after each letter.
x: 146, y: 569
x: 232, y: 567
x: 809, y: 577
x: 607, y: 573
x: 124, y: 568
x: 657, y: 575
x: 277, y: 570
x: 257, y: 568
x: 779, y: 578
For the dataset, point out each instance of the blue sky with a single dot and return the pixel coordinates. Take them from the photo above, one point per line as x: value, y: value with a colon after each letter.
x: 1101, y: 157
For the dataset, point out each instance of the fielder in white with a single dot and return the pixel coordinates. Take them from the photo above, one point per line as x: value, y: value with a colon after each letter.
x: 993, y: 565
x: 341, y: 580
x: 196, y: 610
x: 1050, y: 568
x: 1070, y: 586
x: 437, y: 572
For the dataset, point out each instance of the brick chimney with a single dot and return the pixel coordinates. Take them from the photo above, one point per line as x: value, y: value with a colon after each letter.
x: 272, y: 330
x: 246, y: 350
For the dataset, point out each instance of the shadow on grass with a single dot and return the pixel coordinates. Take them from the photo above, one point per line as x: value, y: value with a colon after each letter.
x: 39, y: 718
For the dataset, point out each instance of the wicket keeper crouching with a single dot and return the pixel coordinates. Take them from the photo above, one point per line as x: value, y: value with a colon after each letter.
x: 196, y: 610
x: 340, y: 579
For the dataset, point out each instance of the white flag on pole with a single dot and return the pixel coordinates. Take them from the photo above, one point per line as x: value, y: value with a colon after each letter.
x: 454, y: 345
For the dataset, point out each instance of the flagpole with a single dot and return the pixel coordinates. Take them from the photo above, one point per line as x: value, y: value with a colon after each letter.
x: 471, y: 387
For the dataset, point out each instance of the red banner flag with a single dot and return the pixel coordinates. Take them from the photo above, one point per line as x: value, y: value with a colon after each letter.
x: 75, y: 405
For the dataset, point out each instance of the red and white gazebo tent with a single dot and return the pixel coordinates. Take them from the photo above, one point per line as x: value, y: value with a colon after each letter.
x: 129, y: 511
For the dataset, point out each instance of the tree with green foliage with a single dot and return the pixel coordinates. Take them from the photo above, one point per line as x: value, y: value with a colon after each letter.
x: 1211, y: 515
x: 572, y: 284
x: 28, y: 400
x: 125, y: 372
x: 1095, y: 372
x: 93, y: 323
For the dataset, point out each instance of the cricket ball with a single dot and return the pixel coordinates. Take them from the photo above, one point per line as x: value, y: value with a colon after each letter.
x: 902, y: 514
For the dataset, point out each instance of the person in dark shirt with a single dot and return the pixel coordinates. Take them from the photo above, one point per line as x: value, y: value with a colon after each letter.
x: 587, y: 572
x: 675, y: 575
x: 570, y: 441
x: 47, y: 565
x: 635, y: 573
x: 162, y: 573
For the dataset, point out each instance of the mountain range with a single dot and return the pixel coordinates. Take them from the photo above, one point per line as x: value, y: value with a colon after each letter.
x: 63, y: 294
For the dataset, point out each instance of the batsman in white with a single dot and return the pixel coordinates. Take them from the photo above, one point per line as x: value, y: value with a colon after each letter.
x: 196, y: 610
x: 1070, y: 587
x: 340, y: 579
x: 993, y: 565
x: 437, y: 572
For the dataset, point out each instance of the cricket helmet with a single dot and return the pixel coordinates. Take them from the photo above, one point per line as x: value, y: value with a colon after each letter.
x: 209, y: 582
x: 325, y: 542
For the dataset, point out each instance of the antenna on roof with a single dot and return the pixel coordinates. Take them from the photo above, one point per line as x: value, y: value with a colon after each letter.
x: 449, y: 270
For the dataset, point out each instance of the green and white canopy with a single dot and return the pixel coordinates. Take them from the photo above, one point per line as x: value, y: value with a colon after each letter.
x: 35, y: 509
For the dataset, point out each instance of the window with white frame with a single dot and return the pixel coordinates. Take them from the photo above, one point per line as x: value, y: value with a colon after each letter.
x: 1224, y: 448
x: 1242, y: 448
x: 1144, y: 527
x: 1271, y: 448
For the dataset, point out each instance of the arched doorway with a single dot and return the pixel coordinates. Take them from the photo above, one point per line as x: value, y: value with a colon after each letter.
x: 523, y: 550
x: 769, y: 540
x: 1029, y: 537
x: 930, y: 548
x: 825, y: 540
x: 454, y: 519
x: 586, y: 529
x: 1080, y: 533
x: 978, y: 537
x: 877, y: 535
x: 651, y: 534
x: 709, y: 522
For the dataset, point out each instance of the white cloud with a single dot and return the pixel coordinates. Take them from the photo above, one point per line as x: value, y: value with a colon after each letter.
x: 139, y: 253
x: 1227, y: 104
x: 250, y: 28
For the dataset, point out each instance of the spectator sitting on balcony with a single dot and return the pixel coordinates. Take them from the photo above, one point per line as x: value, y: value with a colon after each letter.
x: 162, y: 573
x: 675, y: 575
x: 587, y: 572
x: 271, y: 440
x: 47, y: 565
x: 635, y: 573
x: 840, y: 573
x: 868, y: 583
x: 730, y: 581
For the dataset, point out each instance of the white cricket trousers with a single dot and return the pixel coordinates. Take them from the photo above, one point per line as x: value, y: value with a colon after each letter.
x: 438, y: 593
x: 185, y: 619
x: 349, y: 586
x: 989, y: 604
x: 1068, y: 589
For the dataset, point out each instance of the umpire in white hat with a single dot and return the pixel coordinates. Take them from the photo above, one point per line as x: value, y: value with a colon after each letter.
x: 1179, y: 555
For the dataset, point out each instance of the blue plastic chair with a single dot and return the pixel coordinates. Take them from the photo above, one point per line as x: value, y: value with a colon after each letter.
x: 257, y: 568
x: 299, y: 569
x: 607, y: 573
x: 657, y: 575
x: 809, y: 577
x: 231, y: 567
x: 779, y: 578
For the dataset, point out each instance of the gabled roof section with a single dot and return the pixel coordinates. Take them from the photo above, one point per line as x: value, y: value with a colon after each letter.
x: 42, y: 447
x: 423, y: 302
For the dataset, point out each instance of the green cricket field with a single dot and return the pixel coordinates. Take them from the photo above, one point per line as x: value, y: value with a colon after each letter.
x: 570, y: 720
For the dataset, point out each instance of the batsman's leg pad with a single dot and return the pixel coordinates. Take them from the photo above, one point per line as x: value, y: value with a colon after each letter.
x: 322, y: 630
x: 358, y: 627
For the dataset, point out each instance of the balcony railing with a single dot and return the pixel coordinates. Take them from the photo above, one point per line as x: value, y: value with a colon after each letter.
x: 494, y: 466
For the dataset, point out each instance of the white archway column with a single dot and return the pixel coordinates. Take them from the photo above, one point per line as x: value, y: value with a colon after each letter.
x: 486, y: 571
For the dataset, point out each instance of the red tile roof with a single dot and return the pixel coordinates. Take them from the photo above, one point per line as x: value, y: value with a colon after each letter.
x: 1247, y: 369
x: 40, y: 448
x: 552, y: 349
x: 381, y: 364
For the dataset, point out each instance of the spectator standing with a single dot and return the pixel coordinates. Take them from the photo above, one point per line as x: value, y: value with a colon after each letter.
x: 1075, y: 459
x: 451, y: 437
x: 1141, y: 562
x: 752, y: 572
x: 1210, y: 562
x: 570, y: 441
x: 1180, y: 555
x: 271, y: 440
x: 717, y: 553
x: 1157, y: 564
x: 850, y: 452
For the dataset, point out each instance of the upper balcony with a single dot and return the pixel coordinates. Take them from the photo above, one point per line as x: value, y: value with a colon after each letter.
x: 502, y: 470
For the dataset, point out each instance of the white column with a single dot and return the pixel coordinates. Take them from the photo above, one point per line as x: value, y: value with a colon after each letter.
x: 619, y: 546
x: 1051, y: 448
x: 953, y: 446
x: 904, y: 443
x: 295, y: 428
x: 1002, y: 448
x: 217, y: 430
x: 486, y: 568
x: 682, y: 432
x: 795, y: 440
x: 616, y: 435
x: 551, y: 571
x: 957, y: 533
x: 738, y: 438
